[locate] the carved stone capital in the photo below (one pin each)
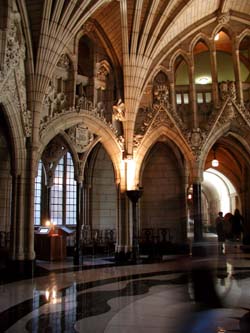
(224, 18)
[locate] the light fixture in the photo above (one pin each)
(203, 80)
(217, 37)
(215, 162)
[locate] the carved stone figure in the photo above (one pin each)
(118, 117)
(227, 90)
(119, 110)
(100, 108)
(232, 90)
(223, 90)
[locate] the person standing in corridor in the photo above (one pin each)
(220, 230)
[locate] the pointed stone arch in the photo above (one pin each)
(152, 138)
(97, 127)
(201, 37)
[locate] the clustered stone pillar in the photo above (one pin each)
(77, 252)
(134, 196)
(198, 236)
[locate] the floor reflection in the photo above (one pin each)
(201, 294)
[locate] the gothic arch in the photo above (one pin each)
(241, 36)
(201, 37)
(152, 138)
(97, 127)
(226, 29)
(220, 133)
(182, 54)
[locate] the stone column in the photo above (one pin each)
(77, 252)
(198, 236)
(134, 196)
(237, 73)
(29, 198)
(192, 94)
(215, 92)
(172, 95)
(123, 246)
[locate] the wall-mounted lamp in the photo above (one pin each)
(215, 162)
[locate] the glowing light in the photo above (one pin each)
(189, 196)
(203, 80)
(51, 296)
(130, 174)
(47, 223)
(217, 37)
(215, 163)
(47, 294)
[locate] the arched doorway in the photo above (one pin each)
(219, 194)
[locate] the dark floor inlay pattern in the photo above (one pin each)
(92, 304)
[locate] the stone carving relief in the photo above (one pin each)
(83, 103)
(64, 62)
(102, 72)
(55, 102)
(54, 151)
(196, 139)
(88, 27)
(224, 18)
(160, 95)
(12, 75)
(161, 113)
(118, 117)
(15, 51)
(81, 137)
(119, 111)
(227, 90)
(100, 108)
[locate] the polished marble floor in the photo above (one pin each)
(180, 294)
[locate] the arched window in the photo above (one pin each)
(63, 193)
(38, 195)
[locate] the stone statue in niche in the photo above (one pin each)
(100, 108)
(102, 72)
(119, 115)
(49, 98)
(59, 103)
(83, 103)
(56, 102)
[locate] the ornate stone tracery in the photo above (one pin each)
(12, 75)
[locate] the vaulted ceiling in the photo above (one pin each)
(135, 27)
